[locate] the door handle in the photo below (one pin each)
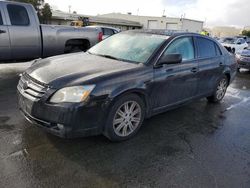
(221, 64)
(2, 31)
(194, 70)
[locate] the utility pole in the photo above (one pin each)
(69, 8)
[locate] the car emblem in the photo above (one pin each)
(25, 85)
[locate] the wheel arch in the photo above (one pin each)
(83, 44)
(137, 91)
(227, 73)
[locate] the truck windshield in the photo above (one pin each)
(131, 47)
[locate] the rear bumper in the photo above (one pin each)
(65, 120)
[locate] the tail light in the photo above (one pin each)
(100, 35)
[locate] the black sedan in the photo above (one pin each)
(243, 59)
(121, 81)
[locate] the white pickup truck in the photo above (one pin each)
(234, 45)
(23, 37)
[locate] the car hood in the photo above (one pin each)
(75, 68)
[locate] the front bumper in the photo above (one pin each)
(243, 64)
(65, 120)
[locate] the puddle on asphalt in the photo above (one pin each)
(242, 102)
(3, 124)
(4, 119)
(20, 153)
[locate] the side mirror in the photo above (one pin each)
(170, 59)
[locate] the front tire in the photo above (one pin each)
(125, 118)
(220, 92)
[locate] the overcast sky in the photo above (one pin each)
(214, 12)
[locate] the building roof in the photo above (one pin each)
(148, 17)
(69, 16)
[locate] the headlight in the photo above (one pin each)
(73, 94)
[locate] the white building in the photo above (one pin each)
(224, 31)
(247, 28)
(64, 18)
(149, 22)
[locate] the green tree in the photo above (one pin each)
(46, 13)
(43, 10)
(246, 33)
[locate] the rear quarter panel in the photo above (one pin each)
(231, 66)
(55, 37)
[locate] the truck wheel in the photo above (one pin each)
(220, 92)
(75, 49)
(125, 118)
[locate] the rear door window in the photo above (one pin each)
(218, 50)
(18, 15)
(1, 19)
(183, 46)
(206, 48)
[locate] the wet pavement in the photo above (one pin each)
(198, 145)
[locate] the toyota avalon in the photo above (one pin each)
(126, 78)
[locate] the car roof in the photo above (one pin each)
(163, 32)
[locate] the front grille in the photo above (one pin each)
(31, 88)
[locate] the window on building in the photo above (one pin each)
(206, 48)
(18, 15)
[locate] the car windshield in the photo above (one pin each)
(130, 47)
(230, 40)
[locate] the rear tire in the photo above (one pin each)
(220, 91)
(125, 118)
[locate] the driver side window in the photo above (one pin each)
(183, 46)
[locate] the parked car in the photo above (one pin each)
(105, 31)
(234, 45)
(122, 80)
(243, 59)
(22, 36)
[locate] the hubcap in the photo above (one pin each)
(221, 89)
(127, 118)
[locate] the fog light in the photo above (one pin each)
(60, 126)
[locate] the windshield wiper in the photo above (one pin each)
(115, 58)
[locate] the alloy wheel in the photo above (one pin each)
(127, 118)
(221, 89)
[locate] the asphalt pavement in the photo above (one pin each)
(197, 145)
